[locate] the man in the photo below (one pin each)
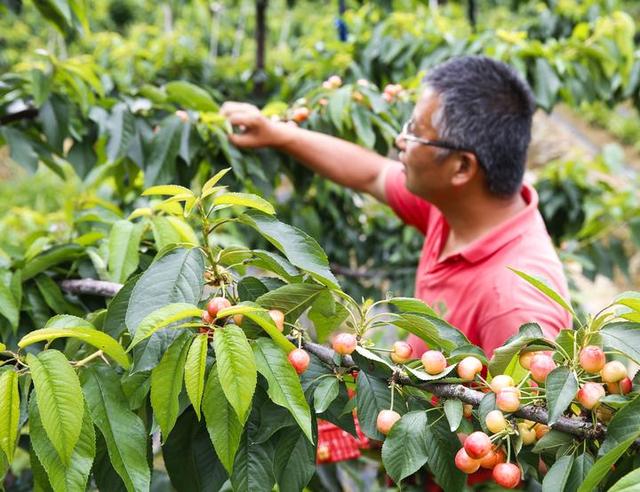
(459, 182)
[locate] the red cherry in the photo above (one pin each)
(541, 365)
(477, 445)
(613, 371)
(589, 395)
(401, 352)
(299, 359)
(507, 475)
(344, 343)
(465, 463)
(217, 304)
(385, 421)
(592, 359)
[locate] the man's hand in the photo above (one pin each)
(254, 129)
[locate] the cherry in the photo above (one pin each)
(501, 381)
(622, 387)
(217, 304)
(495, 421)
(300, 114)
(207, 319)
(465, 463)
(386, 419)
(492, 458)
(507, 475)
(299, 359)
(525, 359)
(541, 430)
(613, 371)
(592, 359)
(527, 432)
(278, 318)
(508, 399)
(434, 362)
(477, 445)
(401, 352)
(541, 365)
(467, 411)
(589, 395)
(344, 343)
(469, 367)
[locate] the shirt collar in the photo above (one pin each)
(504, 233)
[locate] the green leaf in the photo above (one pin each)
(546, 85)
(453, 409)
(64, 325)
(551, 442)
(300, 249)
(211, 182)
(284, 385)
(190, 96)
(581, 466)
(430, 377)
(546, 290)
(176, 277)
(166, 384)
(123, 430)
(294, 460)
(245, 200)
(124, 241)
(363, 126)
(624, 337)
(114, 321)
(487, 404)
(9, 412)
(625, 423)
(562, 387)
(502, 356)
(160, 167)
(558, 474)
(411, 305)
(190, 459)
(236, 368)
(75, 475)
(194, 370)
(223, 425)
(291, 299)
(51, 257)
(434, 331)
(59, 399)
(162, 318)
(53, 296)
(21, 148)
(372, 396)
(9, 305)
(122, 129)
(325, 393)
(337, 106)
(629, 483)
(602, 466)
(171, 190)
(405, 449)
(441, 450)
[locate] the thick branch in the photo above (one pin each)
(576, 426)
(91, 286)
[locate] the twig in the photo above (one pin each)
(91, 286)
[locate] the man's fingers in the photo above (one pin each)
(240, 140)
(232, 107)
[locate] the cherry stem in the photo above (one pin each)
(393, 387)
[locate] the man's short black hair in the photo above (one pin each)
(487, 107)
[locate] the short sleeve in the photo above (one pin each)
(411, 209)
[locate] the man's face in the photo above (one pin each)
(425, 166)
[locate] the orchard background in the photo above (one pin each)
(124, 210)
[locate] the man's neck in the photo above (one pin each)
(471, 218)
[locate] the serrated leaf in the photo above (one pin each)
(546, 290)
(453, 409)
(300, 249)
(211, 182)
(162, 318)
(434, 331)
(75, 475)
(551, 441)
(581, 466)
(236, 368)
(190, 96)
(562, 387)
(223, 425)
(124, 241)
(412, 305)
(194, 370)
(325, 393)
(9, 412)
(51, 257)
(294, 460)
(502, 356)
(602, 465)
(441, 450)
(123, 431)
(253, 465)
(245, 200)
(558, 474)
(166, 384)
(430, 377)
(623, 336)
(64, 325)
(59, 399)
(284, 385)
(9, 307)
(291, 299)
(372, 396)
(625, 423)
(405, 449)
(122, 129)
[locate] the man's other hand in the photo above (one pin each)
(251, 128)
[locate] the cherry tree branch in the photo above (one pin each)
(577, 426)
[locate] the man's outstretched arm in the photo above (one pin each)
(338, 160)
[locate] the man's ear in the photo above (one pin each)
(466, 168)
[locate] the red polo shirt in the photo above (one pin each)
(473, 289)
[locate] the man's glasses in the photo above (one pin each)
(406, 134)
